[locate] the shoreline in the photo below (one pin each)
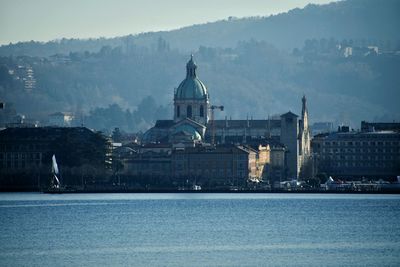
(169, 191)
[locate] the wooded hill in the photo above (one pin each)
(253, 66)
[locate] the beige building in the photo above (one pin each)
(263, 160)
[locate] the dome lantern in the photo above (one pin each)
(191, 68)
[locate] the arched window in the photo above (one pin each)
(201, 111)
(189, 111)
(178, 111)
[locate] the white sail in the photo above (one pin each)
(54, 166)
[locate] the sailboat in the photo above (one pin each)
(55, 182)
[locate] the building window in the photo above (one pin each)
(189, 111)
(201, 111)
(178, 111)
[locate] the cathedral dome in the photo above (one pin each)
(191, 87)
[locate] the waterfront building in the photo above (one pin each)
(225, 165)
(221, 165)
(193, 125)
(148, 164)
(355, 155)
(163, 161)
(25, 154)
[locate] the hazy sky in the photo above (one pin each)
(43, 20)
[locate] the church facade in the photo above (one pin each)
(192, 125)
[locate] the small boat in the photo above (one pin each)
(55, 182)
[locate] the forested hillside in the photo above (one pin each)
(374, 21)
(254, 67)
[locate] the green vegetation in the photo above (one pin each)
(253, 66)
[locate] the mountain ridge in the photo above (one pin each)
(351, 19)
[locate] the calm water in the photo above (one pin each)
(199, 230)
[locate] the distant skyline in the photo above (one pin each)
(45, 20)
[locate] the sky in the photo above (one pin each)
(44, 20)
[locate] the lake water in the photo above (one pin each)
(199, 230)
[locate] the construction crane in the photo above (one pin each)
(212, 108)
